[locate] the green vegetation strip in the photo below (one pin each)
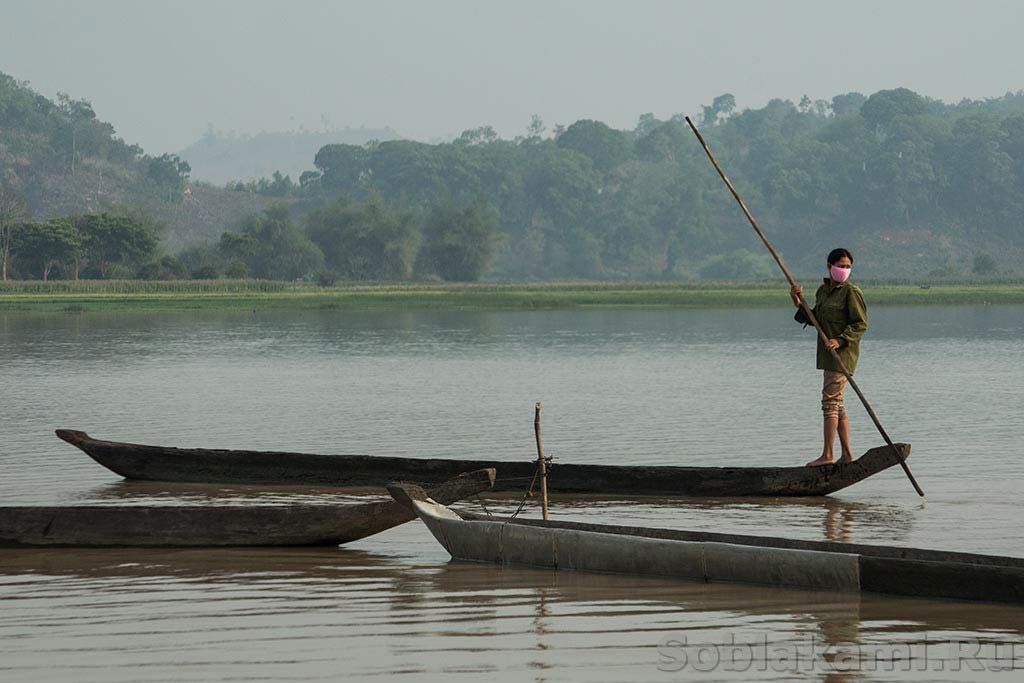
(248, 294)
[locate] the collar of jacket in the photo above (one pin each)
(828, 282)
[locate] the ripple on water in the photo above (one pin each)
(652, 387)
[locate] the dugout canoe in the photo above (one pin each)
(211, 525)
(160, 463)
(718, 557)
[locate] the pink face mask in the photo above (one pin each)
(839, 273)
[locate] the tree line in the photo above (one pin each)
(96, 245)
(365, 240)
(908, 181)
(354, 240)
(910, 184)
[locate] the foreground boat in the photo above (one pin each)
(159, 463)
(210, 525)
(716, 557)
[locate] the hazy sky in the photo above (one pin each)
(161, 71)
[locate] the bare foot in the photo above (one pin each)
(846, 457)
(823, 460)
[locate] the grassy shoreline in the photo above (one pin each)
(247, 294)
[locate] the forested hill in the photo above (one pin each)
(219, 157)
(912, 185)
(62, 160)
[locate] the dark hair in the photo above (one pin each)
(837, 254)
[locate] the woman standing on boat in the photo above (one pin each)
(840, 309)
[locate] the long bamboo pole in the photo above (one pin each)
(807, 310)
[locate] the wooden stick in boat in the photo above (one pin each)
(541, 462)
(807, 309)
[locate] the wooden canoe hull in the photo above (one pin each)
(159, 463)
(730, 558)
(211, 525)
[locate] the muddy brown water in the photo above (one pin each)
(652, 387)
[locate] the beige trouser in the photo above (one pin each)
(832, 394)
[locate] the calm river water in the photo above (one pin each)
(689, 387)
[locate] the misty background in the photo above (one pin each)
(438, 129)
(163, 72)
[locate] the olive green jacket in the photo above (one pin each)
(844, 316)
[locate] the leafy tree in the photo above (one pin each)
(168, 171)
(645, 124)
(885, 106)
(109, 239)
(412, 171)
(979, 169)
(722, 105)
(277, 186)
(342, 167)
(368, 240)
(238, 246)
(274, 246)
(47, 245)
(1012, 141)
(12, 213)
(667, 141)
(309, 181)
(459, 243)
(198, 255)
(606, 147)
(559, 197)
(477, 136)
(536, 129)
(849, 103)
(651, 223)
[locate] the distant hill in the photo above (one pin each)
(219, 157)
(912, 185)
(63, 160)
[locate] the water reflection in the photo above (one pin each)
(839, 521)
(830, 518)
(435, 617)
(644, 387)
(464, 584)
